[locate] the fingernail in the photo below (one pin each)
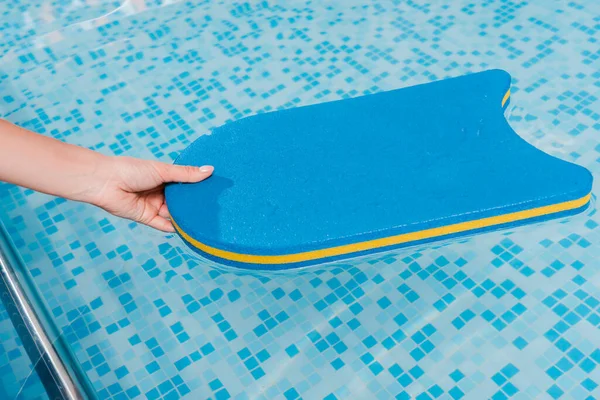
(207, 168)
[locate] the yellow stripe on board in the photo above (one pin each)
(388, 241)
(506, 96)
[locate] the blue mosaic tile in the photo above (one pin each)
(18, 379)
(511, 314)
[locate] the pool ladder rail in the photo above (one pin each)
(55, 364)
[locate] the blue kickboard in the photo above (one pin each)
(344, 178)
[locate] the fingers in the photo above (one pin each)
(184, 173)
(162, 224)
(163, 211)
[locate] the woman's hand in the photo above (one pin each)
(134, 189)
(126, 187)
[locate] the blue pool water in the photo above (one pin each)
(501, 315)
(17, 378)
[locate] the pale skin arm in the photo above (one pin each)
(126, 187)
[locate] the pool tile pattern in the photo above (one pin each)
(501, 315)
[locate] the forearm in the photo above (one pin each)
(47, 165)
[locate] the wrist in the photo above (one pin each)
(95, 173)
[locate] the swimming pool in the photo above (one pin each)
(500, 315)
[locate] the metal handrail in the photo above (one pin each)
(52, 360)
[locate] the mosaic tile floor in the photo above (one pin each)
(17, 378)
(501, 315)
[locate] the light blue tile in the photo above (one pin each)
(146, 84)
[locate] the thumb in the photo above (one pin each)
(185, 173)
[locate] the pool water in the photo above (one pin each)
(17, 377)
(500, 315)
